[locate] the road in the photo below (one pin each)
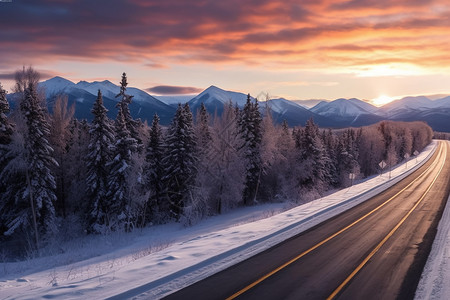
(376, 250)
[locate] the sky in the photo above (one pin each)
(309, 49)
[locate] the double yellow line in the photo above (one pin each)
(250, 286)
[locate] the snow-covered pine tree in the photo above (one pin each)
(180, 161)
(202, 129)
(118, 189)
(77, 151)
(6, 128)
(312, 159)
(250, 128)
(101, 141)
(7, 194)
(125, 101)
(40, 185)
(156, 208)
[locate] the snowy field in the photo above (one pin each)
(162, 259)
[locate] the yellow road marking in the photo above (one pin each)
(250, 286)
(375, 250)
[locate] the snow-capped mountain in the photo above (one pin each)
(407, 105)
(215, 98)
(84, 93)
(173, 100)
(294, 114)
(344, 108)
(336, 114)
(348, 112)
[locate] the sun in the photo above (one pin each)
(382, 100)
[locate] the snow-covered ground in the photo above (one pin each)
(163, 259)
(435, 280)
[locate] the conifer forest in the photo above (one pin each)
(59, 174)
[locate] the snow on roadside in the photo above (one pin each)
(192, 254)
(436, 274)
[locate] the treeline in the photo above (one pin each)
(57, 172)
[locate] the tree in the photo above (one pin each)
(40, 185)
(180, 160)
(250, 130)
(120, 166)
(6, 128)
(59, 138)
(101, 141)
(154, 172)
(75, 160)
(312, 159)
(131, 124)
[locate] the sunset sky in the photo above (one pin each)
(294, 49)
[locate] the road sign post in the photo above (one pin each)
(351, 176)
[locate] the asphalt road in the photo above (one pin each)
(376, 250)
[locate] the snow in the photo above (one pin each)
(214, 93)
(344, 108)
(56, 85)
(175, 99)
(281, 105)
(162, 259)
(436, 274)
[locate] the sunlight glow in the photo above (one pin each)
(382, 100)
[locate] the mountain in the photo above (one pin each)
(407, 105)
(347, 112)
(294, 114)
(173, 100)
(215, 98)
(334, 114)
(309, 103)
(84, 93)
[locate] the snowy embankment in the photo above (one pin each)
(187, 255)
(435, 280)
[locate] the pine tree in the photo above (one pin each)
(99, 155)
(6, 128)
(7, 176)
(75, 159)
(202, 129)
(312, 159)
(250, 127)
(131, 124)
(180, 160)
(40, 185)
(154, 173)
(118, 189)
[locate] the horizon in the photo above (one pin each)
(371, 50)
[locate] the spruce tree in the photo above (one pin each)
(250, 127)
(101, 141)
(154, 172)
(39, 189)
(6, 128)
(313, 159)
(131, 124)
(180, 160)
(202, 129)
(118, 189)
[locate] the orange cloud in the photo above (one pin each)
(287, 34)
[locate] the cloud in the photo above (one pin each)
(173, 90)
(11, 75)
(311, 34)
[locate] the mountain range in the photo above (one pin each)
(338, 113)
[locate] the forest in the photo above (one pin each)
(61, 177)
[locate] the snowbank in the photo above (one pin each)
(434, 283)
(158, 272)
